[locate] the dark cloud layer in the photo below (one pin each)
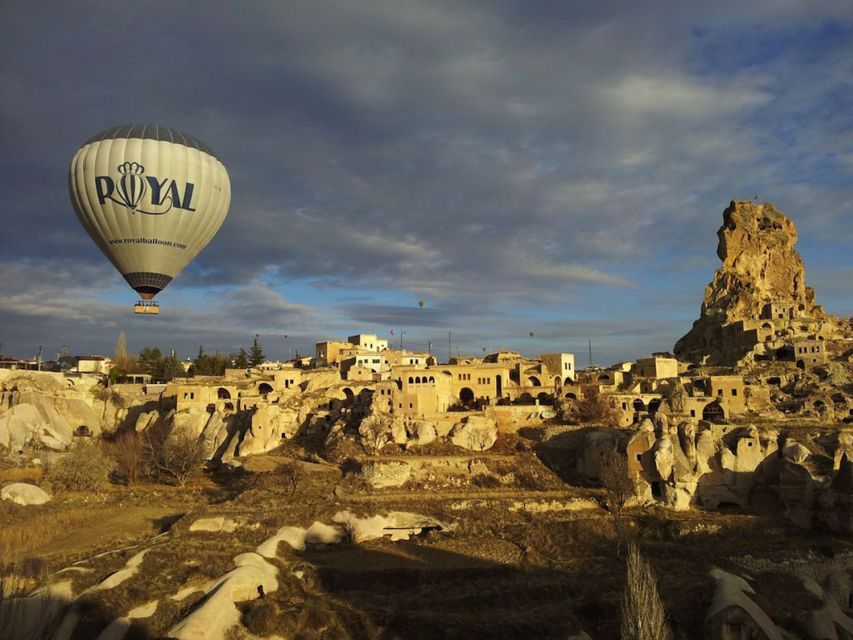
(552, 165)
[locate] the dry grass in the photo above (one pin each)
(21, 536)
(32, 475)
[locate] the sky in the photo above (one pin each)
(549, 168)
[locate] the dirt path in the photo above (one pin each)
(105, 529)
(497, 494)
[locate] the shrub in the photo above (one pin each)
(261, 617)
(128, 452)
(486, 481)
(85, 468)
(287, 476)
(595, 409)
(173, 455)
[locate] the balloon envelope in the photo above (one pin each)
(151, 198)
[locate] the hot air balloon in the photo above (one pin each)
(151, 198)
(421, 303)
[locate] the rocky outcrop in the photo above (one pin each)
(386, 474)
(758, 294)
(214, 525)
(44, 409)
(24, 494)
(476, 433)
(719, 464)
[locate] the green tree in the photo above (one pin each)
(150, 360)
(171, 368)
(256, 354)
(207, 365)
(241, 360)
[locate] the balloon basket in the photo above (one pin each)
(146, 307)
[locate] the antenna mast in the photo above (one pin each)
(590, 353)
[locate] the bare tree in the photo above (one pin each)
(173, 455)
(128, 452)
(374, 432)
(619, 487)
(287, 476)
(643, 615)
(594, 408)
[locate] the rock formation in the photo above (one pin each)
(45, 409)
(758, 294)
(745, 466)
(24, 494)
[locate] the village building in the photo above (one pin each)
(809, 353)
(94, 364)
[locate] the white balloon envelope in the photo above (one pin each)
(151, 198)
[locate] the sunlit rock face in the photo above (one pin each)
(759, 294)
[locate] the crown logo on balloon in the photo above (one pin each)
(131, 168)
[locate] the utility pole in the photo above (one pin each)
(402, 333)
(430, 347)
(590, 353)
(449, 347)
(38, 358)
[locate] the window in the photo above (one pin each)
(693, 413)
(734, 392)
(639, 457)
(719, 392)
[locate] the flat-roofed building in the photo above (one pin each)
(368, 342)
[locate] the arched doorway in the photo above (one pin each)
(543, 398)
(654, 405)
(713, 413)
(557, 382)
(466, 396)
(499, 386)
(533, 381)
(264, 389)
(639, 405)
(223, 394)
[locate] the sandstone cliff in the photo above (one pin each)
(759, 294)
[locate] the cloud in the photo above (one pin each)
(496, 159)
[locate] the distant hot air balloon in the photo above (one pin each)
(421, 303)
(151, 198)
(532, 334)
